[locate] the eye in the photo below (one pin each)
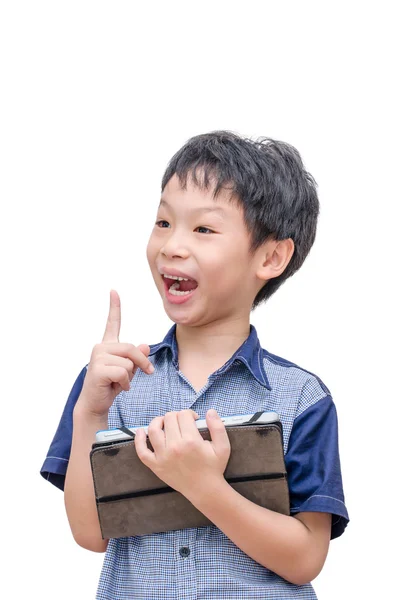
(210, 230)
(159, 223)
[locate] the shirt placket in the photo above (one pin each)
(184, 539)
(185, 561)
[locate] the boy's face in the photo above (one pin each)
(209, 246)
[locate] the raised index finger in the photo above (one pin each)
(112, 330)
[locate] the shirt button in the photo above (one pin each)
(184, 551)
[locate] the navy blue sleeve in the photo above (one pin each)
(56, 462)
(313, 465)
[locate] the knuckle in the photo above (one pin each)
(96, 369)
(99, 351)
(189, 443)
(153, 423)
(175, 449)
(96, 350)
(130, 369)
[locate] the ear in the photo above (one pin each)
(275, 258)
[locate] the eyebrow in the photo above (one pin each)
(197, 210)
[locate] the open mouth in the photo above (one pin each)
(179, 288)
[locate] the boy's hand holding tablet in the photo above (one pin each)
(181, 458)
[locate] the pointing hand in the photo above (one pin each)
(112, 365)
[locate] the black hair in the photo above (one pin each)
(267, 179)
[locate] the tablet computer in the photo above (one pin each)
(115, 434)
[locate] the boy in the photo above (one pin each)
(236, 219)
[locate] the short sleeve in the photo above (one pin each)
(313, 465)
(56, 463)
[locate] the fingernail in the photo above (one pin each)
(151, 369)
(212, 413)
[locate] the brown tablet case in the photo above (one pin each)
(131, 500)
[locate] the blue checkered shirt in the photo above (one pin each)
(203, 563)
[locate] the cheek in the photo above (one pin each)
(226, 257)
(227, 269)
(220, 275)
(150, 250)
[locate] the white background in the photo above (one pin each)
(95, 99)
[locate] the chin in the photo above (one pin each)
(178, 320)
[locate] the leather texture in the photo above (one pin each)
(256, 453)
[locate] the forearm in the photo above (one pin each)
(281, 543)
(79, 488)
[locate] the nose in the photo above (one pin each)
(174, 246)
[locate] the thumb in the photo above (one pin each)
(145, 348)
(212, 414)
(219, 437)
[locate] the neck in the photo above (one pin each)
(212, 341)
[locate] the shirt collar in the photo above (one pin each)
(250, 354)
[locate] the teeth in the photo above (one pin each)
(175, 292)
(177, 278)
